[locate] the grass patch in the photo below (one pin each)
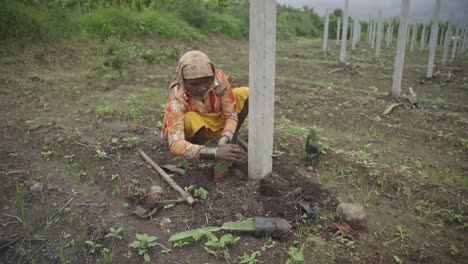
(125, 23)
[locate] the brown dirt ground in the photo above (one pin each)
(408, 168)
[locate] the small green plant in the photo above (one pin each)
(101, 154)
(200, 192)
(143, 243)
(131, 141)
(117, 183)
(62, 245)
(21, 197)
(464, 142)
(249, 259)
(115, 233)
(107, 254)
(134, 188)
(93, 246)
(47, 153)
(218, 247)
(33, 124)
(401, 234)
(183, 163)
(295, 255)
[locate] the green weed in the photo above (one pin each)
(131, 141)
(117, 183)
(295, 255)
(249, 259)
(218, 247)
(47, 153)
(143, 244)
(21, 197)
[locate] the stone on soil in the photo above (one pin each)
(354, 214)
(36, 187)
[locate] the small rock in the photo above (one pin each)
(355, 214)
(239, 216)
(218, 222)
(36, 187)
(165, 224)
(245, 207)
(263, 248)
(156, 189)
(377, 119)
(310, 168)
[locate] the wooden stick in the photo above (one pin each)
(185, 195)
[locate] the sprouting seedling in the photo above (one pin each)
(295, 255)
(93, 245)
(115, 233)
(101, 154)
(249, 259)
(143, 243)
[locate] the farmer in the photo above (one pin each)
(202, 107)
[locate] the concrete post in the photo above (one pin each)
(344, 33)
(433, 41)
(447, 41)
(379, 34)
(262, 49)
(338, 22)
(455, 43)
(400, 53)
(413, 37)
(422, 38)
(325, 32)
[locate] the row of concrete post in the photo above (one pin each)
(454, 38)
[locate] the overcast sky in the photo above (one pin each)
(420, 10)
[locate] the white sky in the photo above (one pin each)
(420, 10)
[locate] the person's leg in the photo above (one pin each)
(242, 102)
(201, 128)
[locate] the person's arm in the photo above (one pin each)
(175, 110)
(229, 108)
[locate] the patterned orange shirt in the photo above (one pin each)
(219, 99)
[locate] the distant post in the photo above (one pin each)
(413, 37)
(379, 34)
(455, 42)
(338, 22)
(262, 49)
(422, 38)
(433, 41)
(344, 34)
(325, 32)
(387, 35)
(447, 40)
(374, 34)
(401, 46)
(369, 31)
(355, 35)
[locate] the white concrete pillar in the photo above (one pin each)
(413, 37)
(379, 34)
(455, 43)
(344, 33)
(391, 35)
(355, 37)
(422, 38)
(325, 32)
(338, 22)
(262, 50)
(433, 41)
(400, 53)
(447, 41)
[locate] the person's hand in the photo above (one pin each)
(230, 152)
